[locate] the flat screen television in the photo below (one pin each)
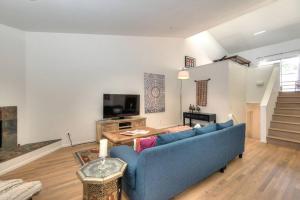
(120, 105)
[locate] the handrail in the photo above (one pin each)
(274, 78)
(290, 86)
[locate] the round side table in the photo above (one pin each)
(102, 182)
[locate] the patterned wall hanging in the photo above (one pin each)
(201, 92)
(154, 93)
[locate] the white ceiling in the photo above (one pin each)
(280, 20)
(167, 18)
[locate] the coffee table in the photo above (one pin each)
(117, 138)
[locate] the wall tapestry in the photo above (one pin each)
(201, 92)
(154, 93)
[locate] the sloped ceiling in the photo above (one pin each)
(166, 18)
(280, 20)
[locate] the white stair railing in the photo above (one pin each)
(268, 102)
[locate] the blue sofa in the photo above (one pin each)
(161, 172)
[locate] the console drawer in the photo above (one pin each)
(109, 128)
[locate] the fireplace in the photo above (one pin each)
(8, 127)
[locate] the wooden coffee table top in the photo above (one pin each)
(117, 138)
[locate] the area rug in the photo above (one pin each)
(85, 156)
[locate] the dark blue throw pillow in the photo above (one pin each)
(227, 124)
(172, 137)
(206, 129)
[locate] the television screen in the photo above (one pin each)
(120, 105)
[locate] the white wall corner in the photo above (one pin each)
(268, 103)
(263, 124)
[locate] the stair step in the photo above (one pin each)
(294, 126)
(286, 118)
(290, 143)
(289, 94)
(293, 123)
(284, 130)
(285, 139)
(289, 134)
(287, 99)
(288, 105)
(293, 95)
(289, 111)
(287, 115)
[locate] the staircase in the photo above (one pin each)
(285, 125)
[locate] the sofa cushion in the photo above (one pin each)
(130, 157)
(145, 143)
(172, 137)
(206, 129)
(227, 124)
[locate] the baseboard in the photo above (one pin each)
(20, 161)
(170, 125)
(77, 143)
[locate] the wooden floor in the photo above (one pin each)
(265, 172)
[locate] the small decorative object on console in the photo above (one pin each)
(198, 109)
(193, 108)
(190, 108)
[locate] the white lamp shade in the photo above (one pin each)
(183, 74)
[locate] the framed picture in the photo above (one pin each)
(189, 62)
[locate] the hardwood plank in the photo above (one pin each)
(265, 172)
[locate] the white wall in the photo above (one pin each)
(68, 73)
(59, 79)
(237, 90)
(226, 89)
(254, 93)
(204, 48)
(218, 89)
(270, 50)
(12, 73)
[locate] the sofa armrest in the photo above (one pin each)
(128, 155)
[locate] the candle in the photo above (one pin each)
(103, 148)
